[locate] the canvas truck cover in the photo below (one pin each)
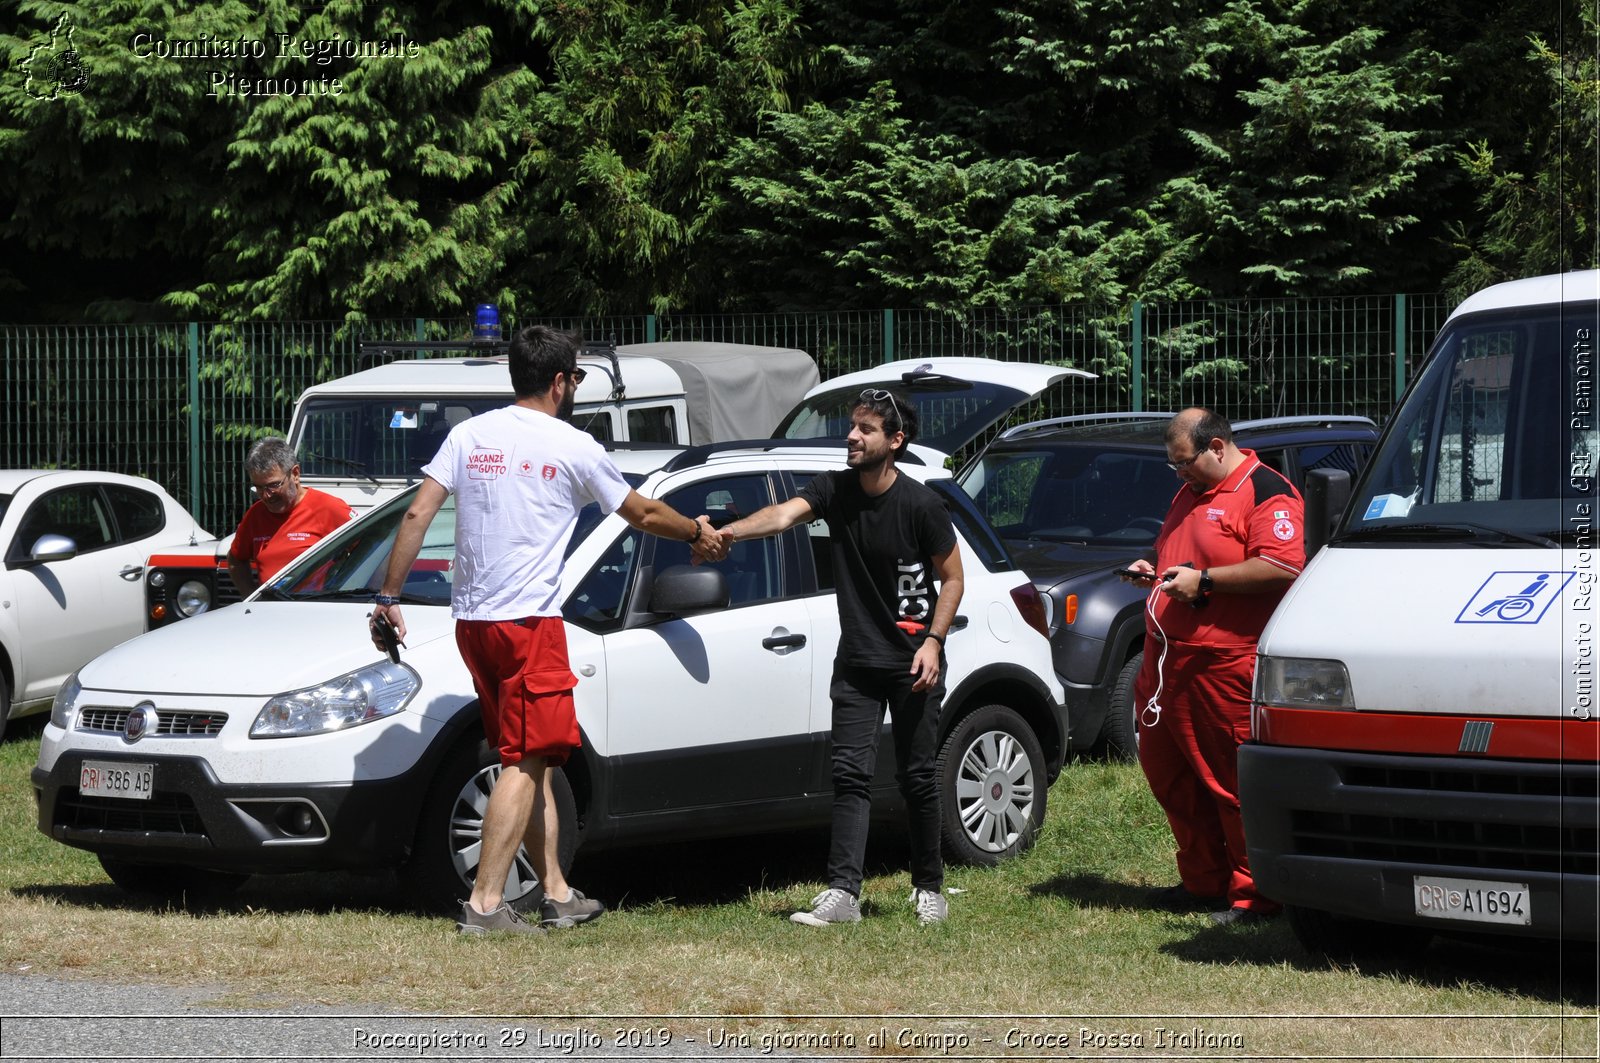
(734, 390)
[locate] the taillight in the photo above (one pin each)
(1031, 608)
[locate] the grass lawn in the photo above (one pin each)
(1049, 956)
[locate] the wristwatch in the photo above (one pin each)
(1207, 584)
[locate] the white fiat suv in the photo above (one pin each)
(270, 737)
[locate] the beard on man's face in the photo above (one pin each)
(564, 411)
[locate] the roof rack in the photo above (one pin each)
(372, 353)
(1304, 420)
(698, 455)
(1081, 418)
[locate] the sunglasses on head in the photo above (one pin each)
(880, 395)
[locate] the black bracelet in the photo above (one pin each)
(386, 599)
(691, 540)
(937, 638)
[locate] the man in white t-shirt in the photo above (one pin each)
(520, 475)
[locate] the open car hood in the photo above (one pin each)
(957, 399)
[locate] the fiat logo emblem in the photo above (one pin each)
(141, 721)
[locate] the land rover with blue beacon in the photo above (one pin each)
(1424, 740)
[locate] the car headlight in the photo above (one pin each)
(66, 702)
(194, 596)
(367, 694)
(1303, 683)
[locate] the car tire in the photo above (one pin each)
(176, 883)
(1119, 734)
(444, 862)
(1345, 939)
(992, 787)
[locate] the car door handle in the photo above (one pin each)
(777, 642)
(958, 623)
(132, 572)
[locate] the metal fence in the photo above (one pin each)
(177, 402)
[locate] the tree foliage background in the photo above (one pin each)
(597, 156)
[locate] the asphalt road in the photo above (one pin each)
(44, 1017)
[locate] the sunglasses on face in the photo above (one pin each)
(576, 374)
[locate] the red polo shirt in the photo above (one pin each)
(1254, 512)
(272, 540)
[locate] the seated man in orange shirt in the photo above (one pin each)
(283, 521)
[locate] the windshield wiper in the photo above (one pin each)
(357, 467)
(1456, 531)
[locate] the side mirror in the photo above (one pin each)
(1327, 495)
(53, 548)
(685, 589)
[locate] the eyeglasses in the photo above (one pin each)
(576, 374)
(272, 488)
(1178, 466)
(879, 395)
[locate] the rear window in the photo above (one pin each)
(950, 412)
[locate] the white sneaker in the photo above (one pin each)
(931, 907)
(829, 907)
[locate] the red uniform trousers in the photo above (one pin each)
(1190, 754)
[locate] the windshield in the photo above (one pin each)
(380, 437)
(350, 565)
(950, 412)
(1496, 439)
(1093, 494)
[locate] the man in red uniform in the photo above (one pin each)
(284, 520)
(1232, 542)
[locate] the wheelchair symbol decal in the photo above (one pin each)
(1514, 598)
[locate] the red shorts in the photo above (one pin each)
(524, 684)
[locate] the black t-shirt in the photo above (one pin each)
(883, 550)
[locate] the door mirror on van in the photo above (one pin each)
(1327, 495)
(686, 589)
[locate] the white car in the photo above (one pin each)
(270, 737)
(73, 583)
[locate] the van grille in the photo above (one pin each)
(171, 723)
(1553, 830)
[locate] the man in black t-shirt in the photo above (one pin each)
(892, 539)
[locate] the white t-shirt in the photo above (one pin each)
(519, 477)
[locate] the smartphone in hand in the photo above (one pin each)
(1151, 577)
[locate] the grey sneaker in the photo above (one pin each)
(504, 919)
(931, 907)
(570, 912)
(829, 907)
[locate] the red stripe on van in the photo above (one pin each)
(1512, 737)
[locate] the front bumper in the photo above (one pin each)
(1347, 832)
(191, 818)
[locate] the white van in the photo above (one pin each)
(1424, 738)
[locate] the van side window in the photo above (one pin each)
(653, 424)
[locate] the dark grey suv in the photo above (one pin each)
(1077, 498)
